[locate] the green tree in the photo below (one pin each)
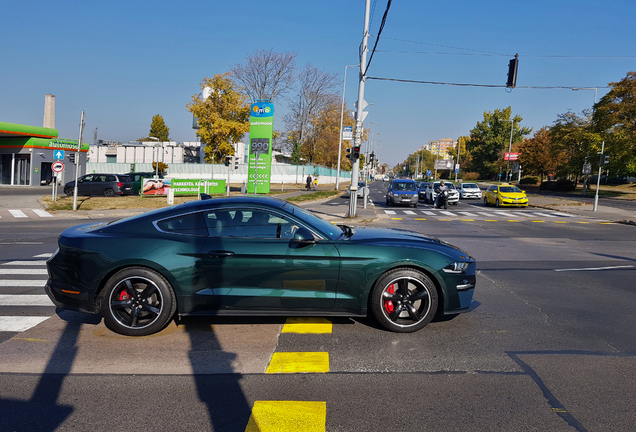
(490, 138)
(615, 121)
(158, 129)
(223, 116)
(572, 140)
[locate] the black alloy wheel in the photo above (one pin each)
(137, 302)
(404, 300)
(109, 193)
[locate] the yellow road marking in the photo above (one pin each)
(512, 220)
(606, 223)
(31, 339)
(299, 362)
(491, 220)
(467, 220)
(445, 220)
(539, 221)
(307, 325)
(287, 416)
(396, 218)
(420, 218)
(561, 222)
(583, 222)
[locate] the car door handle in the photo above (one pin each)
(220, 254)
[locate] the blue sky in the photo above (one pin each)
(124, 61)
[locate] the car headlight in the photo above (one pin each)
(456, 267)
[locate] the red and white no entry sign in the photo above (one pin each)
(57, 166)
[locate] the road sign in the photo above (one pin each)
(347, 133)
(58, 154)
(57, 166)
(587, 168)
(456, 170)
(428, 173)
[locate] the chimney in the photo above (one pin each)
(49, 111)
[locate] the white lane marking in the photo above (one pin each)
(19, 323)
(562, 214)
(447, 213)
(25, 263)
(23, 271)
(505, 214)
(22, 283)
(595, 268)
(487, 214)
(542, 214)
(44, 255)
(389, 211)
(25, 300)
(409, 212)
(17, 213)
(42, 213)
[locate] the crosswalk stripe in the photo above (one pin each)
(498, 213)
(44, 255)
(17, 213)
(25, 263)
(543, 214)
(389, 212)
(22, 283)
(467, 214)
(447, 213)
(25, 300)
(429, 213)
(409, 212)
(23, 271)
(563, 214)
(19, 323)
(287, 416)
(42, 213)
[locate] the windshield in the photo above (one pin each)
(327, 229)
(470, 186)
(404, 186)
(509, 189)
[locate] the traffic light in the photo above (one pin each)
(604, 159)
(355, 152)
(372, 157)
(71, 157)
(512, 71)
(227, 161)
(349, 153)
(236, 162)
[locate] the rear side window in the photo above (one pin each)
(190, 224)
(124, 178)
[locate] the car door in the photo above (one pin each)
(84, 184)
(252, 262)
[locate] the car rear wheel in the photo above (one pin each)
(137, 302)
(109, 193)
(404, 300)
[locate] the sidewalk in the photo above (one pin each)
(583, 207)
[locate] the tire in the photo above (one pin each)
(137, 301)
(109, 193)
(68, 191)
(414, 205)
(387, 201)
(415, 295)
(445, 205)
(497, 203)
(485, 202)
(455, 203)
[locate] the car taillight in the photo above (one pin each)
(120, 184)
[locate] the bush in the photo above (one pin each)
(470, 176)
(549, 186)
(561, 185)
(529, 181)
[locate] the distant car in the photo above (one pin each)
(505, 195)
(469, 190)
(361, 187)
(138, 179)
(453, 195)
(254, 256)
(402, 192)
(109, 185)
(421, 189)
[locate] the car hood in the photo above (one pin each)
(401, 238)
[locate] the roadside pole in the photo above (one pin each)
(598, 179)
(355, 169)
(79, 146)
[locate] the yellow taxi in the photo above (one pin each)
(505, 195)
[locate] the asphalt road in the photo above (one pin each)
(550, 346)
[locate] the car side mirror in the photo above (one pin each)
(303, 235)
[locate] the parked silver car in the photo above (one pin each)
(361, 187)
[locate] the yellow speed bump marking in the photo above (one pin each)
(299, 362)
(287, 416)
(307, 325)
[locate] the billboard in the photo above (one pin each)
(260, 150)
(443, 164)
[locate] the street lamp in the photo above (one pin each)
(512, 124)
(588, 88)
(344, 84)
(156, 146)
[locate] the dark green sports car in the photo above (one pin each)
(254, 256)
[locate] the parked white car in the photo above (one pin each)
(469, 190)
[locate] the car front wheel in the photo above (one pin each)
(485, 202)
(497, 203)
(404, 300)
(137, 302)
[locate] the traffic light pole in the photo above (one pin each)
(355, 168)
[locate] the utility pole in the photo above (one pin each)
(79, 147)
(355, 169)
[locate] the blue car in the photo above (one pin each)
(402, 192)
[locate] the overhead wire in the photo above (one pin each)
(377, 39)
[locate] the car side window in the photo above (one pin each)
(191, 224)
(110, 178)
(249, 223)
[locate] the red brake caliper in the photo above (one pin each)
(388, 304)
(123, 296)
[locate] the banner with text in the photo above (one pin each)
(260, 154)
